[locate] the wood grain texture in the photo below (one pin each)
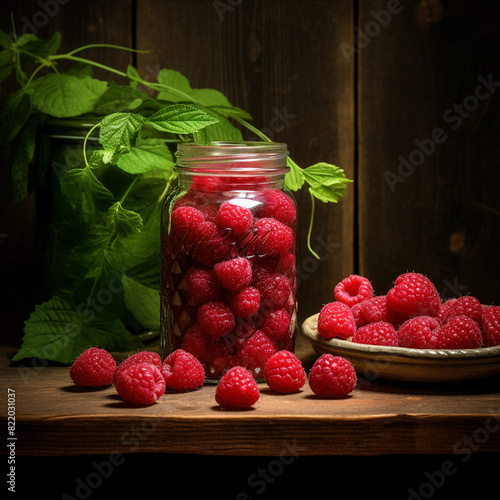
(428, 157)
(280, 61)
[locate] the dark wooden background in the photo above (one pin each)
(359, 83)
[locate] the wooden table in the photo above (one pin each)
(54, 418)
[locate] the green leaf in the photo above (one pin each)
(59, 330)
(120, 98)
(14, 115)
(327, 182)
(231, 112)
(5, 41)
(143, 302)
(294, 179)
(147, 154)
(24, 148)
(6, 64)
(125, 222)
(119, 130)
(180, 119)
(64, 95)
(42, 48)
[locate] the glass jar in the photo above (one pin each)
(228, 251)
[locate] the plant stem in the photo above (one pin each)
(310, 227)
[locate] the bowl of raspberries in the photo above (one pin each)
(409, 333)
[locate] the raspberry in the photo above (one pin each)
(234, 274)
(182, 371)
(238, 219)
(271, 237)
(284, 372)
(237, 389)
(195, 342)
(414, 294)
(332, 377)
(353, 289)
(418, 332)
(255, 352)
(274, 291)
(184, 219)
(380, 333)
(221, 359)
(138, 357)
(202, 285)
(458, 332)
(276, 324)
(374, 310)
(94, 367)
(279, 206)
(245, 303)
(336, 320)
(207, 183)
(209, 244)
(491, 325)
(467, 305)
(140, 383)
(216, 318)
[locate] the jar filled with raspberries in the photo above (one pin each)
(229, 230)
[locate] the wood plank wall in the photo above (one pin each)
(366, 84)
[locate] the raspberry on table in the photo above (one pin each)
(380, 333)
(276, 324)
(418, 332)
(94, 367)
(458, 332)
(182, 371)
(274, 291)
(271, 237)
(284, 372)
(467, 305)
(490, 325)
(336, 320)
(237, 389)
(332, 377)
(238, 219)
(136, 358)
(234, 274)
(202, 285)
(353, 289)
(140, 383)
(216, 318)
(255, 351)
(279, 206)
(245, 303)
(184, 219)
(414, 294)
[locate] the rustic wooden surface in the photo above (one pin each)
(55, 418)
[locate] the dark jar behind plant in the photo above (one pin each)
(228, 251)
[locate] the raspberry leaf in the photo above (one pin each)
(327, 182)
(147, 154)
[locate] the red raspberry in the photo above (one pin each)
(94, 367)
(467, 305)
(135, 359)
(380, 333)
(255, 352)
(202, 285)
(336, 320)
(221, 358)
(182, 371)
(458, 332)
(332, 377)
(279, 206)
(414, 294)
(284, 372)
(237, 389)
(140, 383)
(276, 324)
(353, 289)
(274, 291)
(271, 237)
(245, 303)
(209, 244)
(234, 274)
(195, 342)
(236, 218)
(207, 183)
(184, 219)
(374, 310)
(490, 325)
(216, 318)
(418, 332)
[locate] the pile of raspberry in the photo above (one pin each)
(411, 314)
(229, 273)
(142, 378)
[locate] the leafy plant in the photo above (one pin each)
(106, 220)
